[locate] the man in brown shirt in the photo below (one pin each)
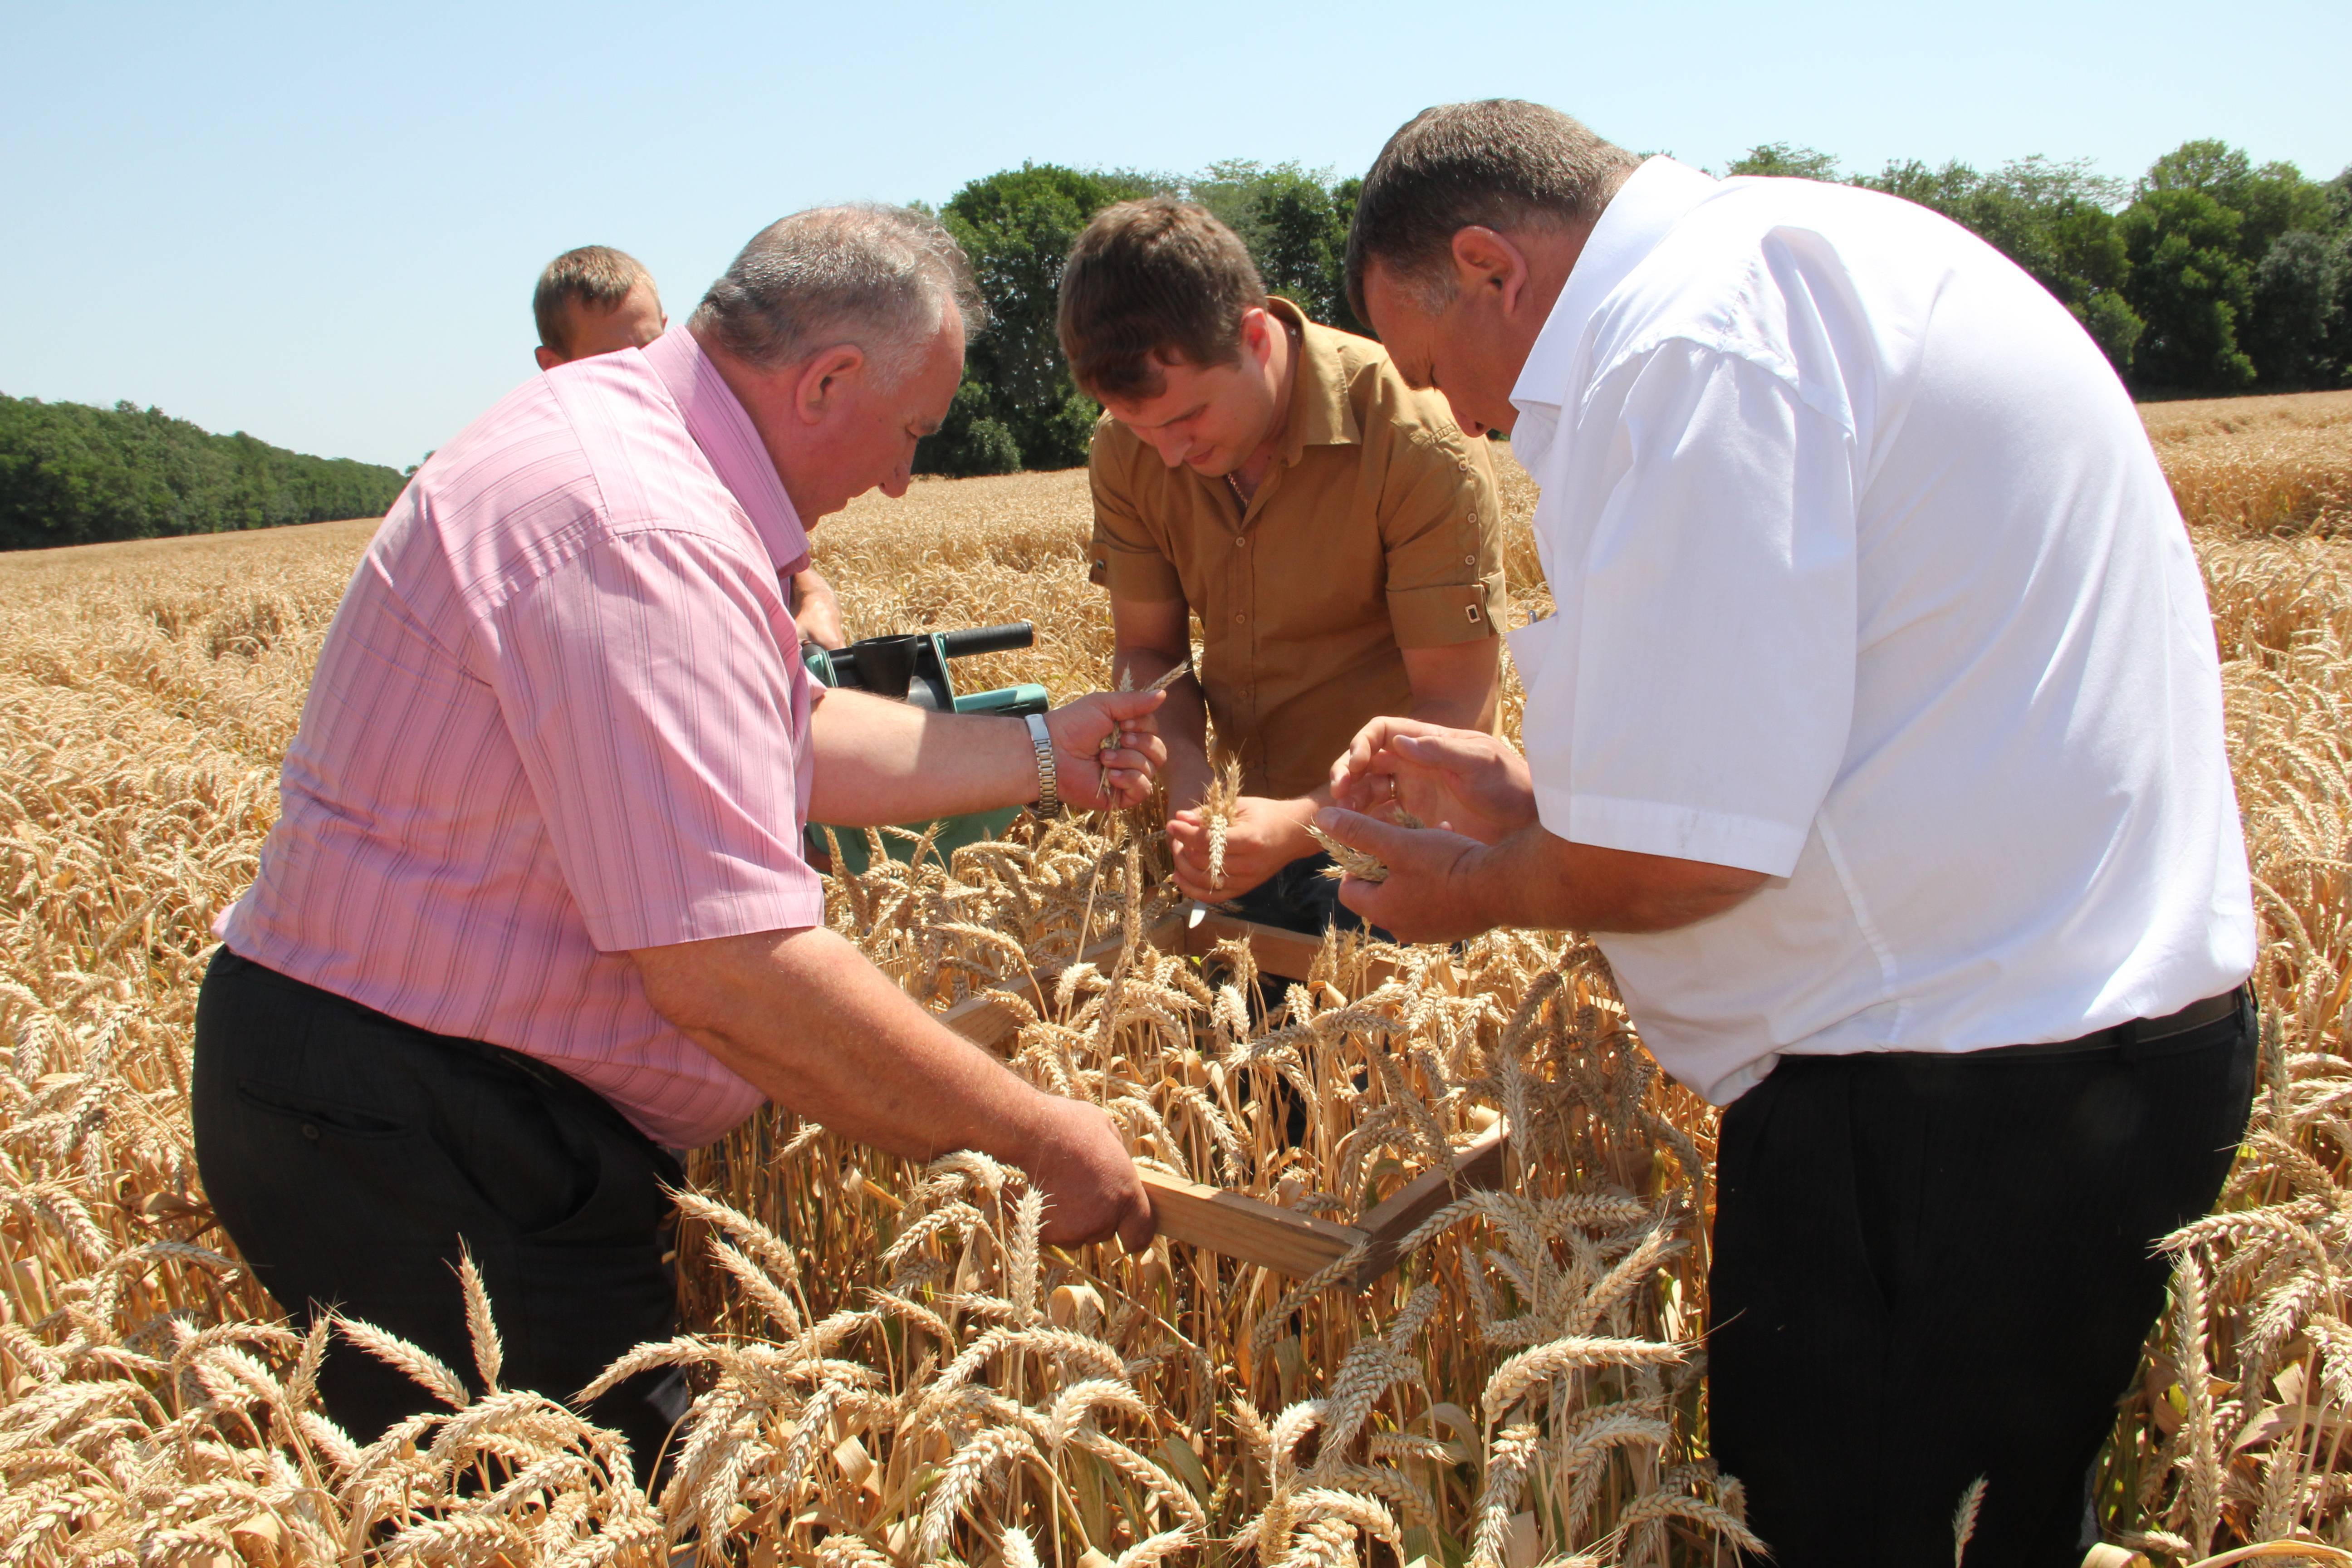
(1336, 535)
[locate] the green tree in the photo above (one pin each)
(1018, 226)
(2299, 294)
(1781, 158)
(1293, 222)
(71, 474)
(2192, 286)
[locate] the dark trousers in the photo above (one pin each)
(1300, 898)
(351, 1156)
(1929, 1268)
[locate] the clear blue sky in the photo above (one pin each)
(320, 223)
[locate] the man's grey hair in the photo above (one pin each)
(1502, 163)
(880, 277)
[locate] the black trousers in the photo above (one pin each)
(1929, 1268)
(351, 1156)
(1300, 898)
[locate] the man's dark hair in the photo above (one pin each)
(1151, 281)
(1503, 164)
(593, 275)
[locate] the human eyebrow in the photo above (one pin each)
(1192, 413)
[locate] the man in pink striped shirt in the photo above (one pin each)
(535, 914)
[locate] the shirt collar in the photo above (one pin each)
(716, 420)
(1320, 413)
(1653, 199)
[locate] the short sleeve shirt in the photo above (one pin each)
(1869, 581)
(1377, 528)
(561, 715)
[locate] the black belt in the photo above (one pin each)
(2139, 1032)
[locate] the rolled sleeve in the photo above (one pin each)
(1124, 557)
(1442, 529)
(653, 689)
(1710, 687)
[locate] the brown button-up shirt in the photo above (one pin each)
(1378, 529)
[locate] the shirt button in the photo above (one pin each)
(1239, 619)
(1240, 540)
(1469, 560)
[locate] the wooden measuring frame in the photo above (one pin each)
(1234, 1223)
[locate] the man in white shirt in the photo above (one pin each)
(1878, 735)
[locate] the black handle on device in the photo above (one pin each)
(988, 640)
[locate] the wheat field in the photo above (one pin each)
(892, 1369)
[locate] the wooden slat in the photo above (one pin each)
(1287, 953)
(1477, 1163)
(1293, 1244)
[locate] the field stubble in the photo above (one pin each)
(894, 1369)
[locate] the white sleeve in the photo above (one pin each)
(1704, 706)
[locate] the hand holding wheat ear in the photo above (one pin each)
(1217, 809)
(1127, 683)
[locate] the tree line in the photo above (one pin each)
(72, 474)
(2208, 275)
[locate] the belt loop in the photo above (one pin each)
(2128, 1040)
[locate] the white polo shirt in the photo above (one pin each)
(1869, 581)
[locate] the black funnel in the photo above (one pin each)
(886, 665)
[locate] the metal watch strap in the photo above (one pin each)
(1049, 795)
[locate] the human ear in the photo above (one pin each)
(548, 358)
(1257, 332)
(1487, 261)
(822, 380)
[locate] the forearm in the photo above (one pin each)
(1534, 879)
(879, 762)
(805, 1019)
(1457, 710)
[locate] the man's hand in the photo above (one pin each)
(817, 610)
(1465, 780)
(1263, 838)
(1430, 894)
(1092, 779)
(1083, 1168)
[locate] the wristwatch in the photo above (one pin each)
(1049, 795)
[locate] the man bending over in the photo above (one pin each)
(535, 914)
(1335, 533)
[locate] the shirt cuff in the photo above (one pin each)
(796, 902)
(1681, 832)
(1445, 614)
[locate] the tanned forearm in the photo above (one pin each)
(805, 1019)
(880, 761)
(1534, 879)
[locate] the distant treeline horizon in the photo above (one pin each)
(74, 474)
(2208, 275)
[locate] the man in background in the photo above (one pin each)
(1338, 537)
(596, 299)
(1879, 739)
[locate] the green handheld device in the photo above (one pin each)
(914, 669)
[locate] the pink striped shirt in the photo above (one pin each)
(560, 714)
